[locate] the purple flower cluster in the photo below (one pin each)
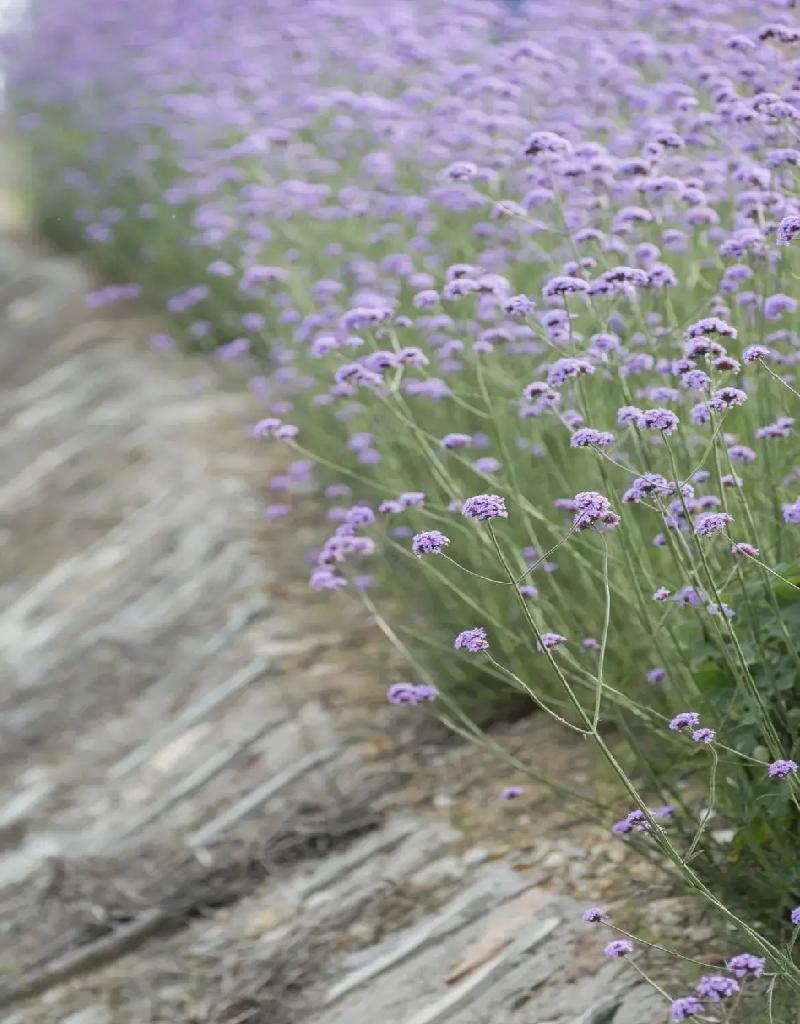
(484, 507)
(592, 509)
(411, 693)
(472, 640)
(431, 542)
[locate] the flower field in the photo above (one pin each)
(520, 293)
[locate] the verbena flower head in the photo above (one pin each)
(716, 987)
(430, 542)
(550, 640)
(776, 305)
(686, 1007)
(754, 353)
(791, 511)
(788, 229)
(566, 369)
(411, 693)
(656, 675)
(704, 735)
(565, 286)
(662, 594)
(511, 792)
(588, 437)
(794, 917)
(710, 325)
(483, 507)
(453, 441)
(744, 549)
(265, 427)
(685, 720)
(781, 769)
(659, 419)
(712, 522)
(472, 640)
(744, 964)
(519, 306)
(629, 415)
(591, 509)
(594, 915)
(618, 948)
(544, 142)
(727, 398)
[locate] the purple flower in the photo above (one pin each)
(472, 640)
(727, 398)
(360, 515)
(755, 352)
(618, 948)
(519, 306)
(780, 769)
(745, 549)
(528, 591)
(744, 964)
(452, 441)
(684, 720)
(430, 542)
(277, 511)
(662, 594)
(425, 299)
(776, 305)
(550, 640)
(685, 1007)
(659, 419)
(716, 987)
(546, 142)
(483, 507)
(710, 325)
(410, 693)
(565, 286)
(794, 917)
(566, 369)
(219, 268)
(265, 427)
(594, 915)
(511, 792)
(628, 415)
(656, 675)
(326, 579)
(286, 432)
(411, 499)
(461, 170)
(712, 522)
(695, 380)
(788, 229)
(592, 508)
(587, 437)
(704, 735)
(791, 512)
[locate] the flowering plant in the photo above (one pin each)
(526, 300)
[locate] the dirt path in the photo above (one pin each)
(205, 813)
